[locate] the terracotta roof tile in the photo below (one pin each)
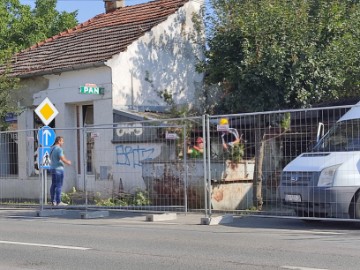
(94, 41)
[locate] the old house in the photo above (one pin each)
(123, 61)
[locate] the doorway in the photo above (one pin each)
(85, 117)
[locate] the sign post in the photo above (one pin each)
(46, 138)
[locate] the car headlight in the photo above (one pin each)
(327, 176)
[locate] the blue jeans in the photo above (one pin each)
(57, 177)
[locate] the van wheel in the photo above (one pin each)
(354, 211)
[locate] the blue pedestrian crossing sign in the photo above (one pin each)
(46, 136)
(44, 157)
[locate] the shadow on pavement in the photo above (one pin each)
(293, 223)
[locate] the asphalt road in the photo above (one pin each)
(127, 241)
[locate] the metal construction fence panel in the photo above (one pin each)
(24, 182)
(11, 192)
(282, 167)
(142, 165)
(271, 163)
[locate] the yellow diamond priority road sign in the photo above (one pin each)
(46, 111)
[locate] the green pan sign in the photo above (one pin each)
(91, 90)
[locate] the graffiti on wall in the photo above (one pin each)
(127, 155)
(136, 129)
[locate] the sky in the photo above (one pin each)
(86, 8)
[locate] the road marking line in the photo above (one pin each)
(25, 217)
(43, 245)
(301, 268)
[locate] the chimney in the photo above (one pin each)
(112, 5)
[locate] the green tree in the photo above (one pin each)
(7, 84)
(269, 55)
(20, 28)
(276, 54)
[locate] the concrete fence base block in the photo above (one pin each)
(226, 219)
(93, 214)
(161, 217)
(50, 212)
(205, 221)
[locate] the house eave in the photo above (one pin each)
(60, 70)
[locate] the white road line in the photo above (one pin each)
(26, 217)
(43, 245)
(301, 268)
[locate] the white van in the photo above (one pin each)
(326, 181)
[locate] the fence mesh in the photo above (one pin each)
(225, 163)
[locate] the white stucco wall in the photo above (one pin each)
(162, 60)
(63, 91)
(122, 162)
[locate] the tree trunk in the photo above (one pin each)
(258, 170)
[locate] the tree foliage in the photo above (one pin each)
(275, 54)
(7, 84)
(20, 28)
